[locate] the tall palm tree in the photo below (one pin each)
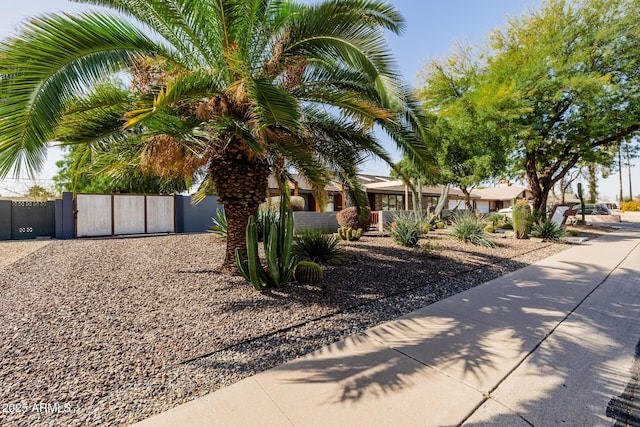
(237, 88)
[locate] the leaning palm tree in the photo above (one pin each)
(239, 89)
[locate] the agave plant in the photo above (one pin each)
(219, 226)
(470, 229)
(548, 230)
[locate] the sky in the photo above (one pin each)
(433, 26)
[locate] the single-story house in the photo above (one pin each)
(386, 193)
(495, 198)
(383, 193)
(299, 186)
(390, 194)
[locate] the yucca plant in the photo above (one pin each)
(316, 246)
(236, 90)
(470, 229)
(406, 229)
(548, 230)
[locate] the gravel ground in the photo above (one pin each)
(109, 332)
(13, 250)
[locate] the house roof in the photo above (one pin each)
(388, 185)
(303, 184)
(500, 193)
(374, 184)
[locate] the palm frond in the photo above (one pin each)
(51, 60)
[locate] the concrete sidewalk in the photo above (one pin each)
(552, 343)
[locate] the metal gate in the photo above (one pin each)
(121, 214)
(32, 219)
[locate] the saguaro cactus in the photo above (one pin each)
(278, 243)
(582, 207)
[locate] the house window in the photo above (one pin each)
(392, 202)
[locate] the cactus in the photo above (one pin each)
(308, 272)
(278, 242)
(522, 219)
(582, 207)
(348, 233)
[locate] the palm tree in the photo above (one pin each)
(238, 89)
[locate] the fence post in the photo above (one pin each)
(5, 219)
(68, 217)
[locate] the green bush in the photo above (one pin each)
(430, 249)
(219, 227)
(470, 229)
(507, 226)
(349, 218)
(496, 219)
(316, 246)
(440, 225)
(406, 229)
(490, 229)
(574, 233)
(548, 230)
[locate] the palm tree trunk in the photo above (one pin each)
(241, 184)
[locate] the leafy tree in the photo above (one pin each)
(237, 88)
(39, 193)
(471, 143)
(80, 171)
(571, 71)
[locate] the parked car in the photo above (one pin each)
(592, 209)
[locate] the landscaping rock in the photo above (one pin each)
(112, 331)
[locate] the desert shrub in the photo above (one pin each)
(440, 225)
(348, 217)
(219, 226)
(507, 226)
(548, 230)
(495, 219)
(573, 233)
(428, 249)
(631, 206)
(296, 203)
(406, 229)
(490, 229)
(470, 229)
(316, 246)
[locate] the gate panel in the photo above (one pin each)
(128, 214)
(32, 219)
(94, 217)
(160, 214)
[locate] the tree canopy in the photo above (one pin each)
(469, 126)
(558, 86)
(571, 70)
